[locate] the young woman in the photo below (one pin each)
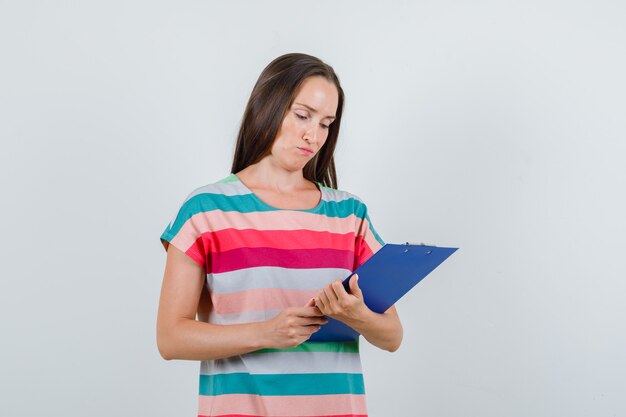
(259, 256)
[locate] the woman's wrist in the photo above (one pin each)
(360, 320)
(260, 335)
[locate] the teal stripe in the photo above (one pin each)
(247, 203)
(281, 384)
(348, 347)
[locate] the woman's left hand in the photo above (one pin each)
(334, 301)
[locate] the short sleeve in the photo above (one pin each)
(188, 231)
(367, 240)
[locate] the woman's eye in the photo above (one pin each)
(325, 126)
(301, 116)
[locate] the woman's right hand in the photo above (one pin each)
(294, 325)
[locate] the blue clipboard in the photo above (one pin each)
(384, 279)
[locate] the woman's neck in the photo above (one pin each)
(265, 175)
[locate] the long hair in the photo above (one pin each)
(270, 100)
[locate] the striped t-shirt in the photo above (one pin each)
(260, 260)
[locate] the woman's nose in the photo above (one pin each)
(312, 134)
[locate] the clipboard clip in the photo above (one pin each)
(420, 244)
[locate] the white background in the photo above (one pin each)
(498, 127)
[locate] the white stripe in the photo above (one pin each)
(227, 188)
(338, 195)
(285, 363)
(274, 277)
(243, 317)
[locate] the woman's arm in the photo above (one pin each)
(181, 336)
(381, 330)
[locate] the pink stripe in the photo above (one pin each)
(261, 299)
(369, 237)
(325, 415)
(282, 406)
(277, 220)
(365, 245)
(228, 239)
(293, 258)
(362, 252)
(199, 224)
(195, 251)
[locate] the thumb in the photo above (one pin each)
(311, 303)
(354, 286)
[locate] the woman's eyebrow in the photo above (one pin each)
(314, 110)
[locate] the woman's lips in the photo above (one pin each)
(306, 151)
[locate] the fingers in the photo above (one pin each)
(354, 287)
(304, 316)
(306, 311)
(319, 320)
(334, 301)
(312, 312)
(309, 321)
(326, 297)
(336, 295)
(338, 290)
(320, 304)
(295, 325)
(306, 326)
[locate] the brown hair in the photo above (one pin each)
(269, 102)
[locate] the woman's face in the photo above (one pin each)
(304, 129)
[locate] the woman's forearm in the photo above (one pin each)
(197, 340)
(381, 330)
(185, 338)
